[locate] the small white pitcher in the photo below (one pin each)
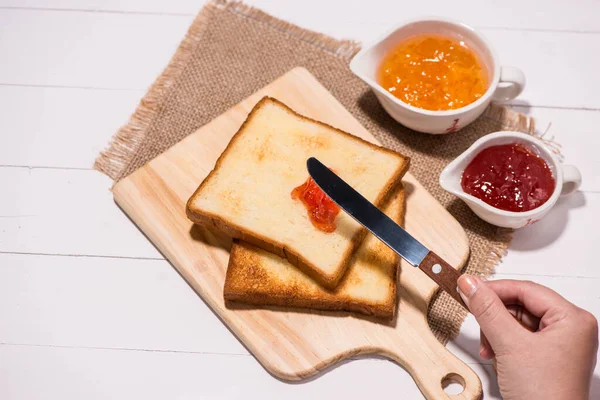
(505, 83)
(567, 178)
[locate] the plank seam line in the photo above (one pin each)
(44, 86)
(58, 346)
(50, 167)
(30, 167)
(517, 103)
(508, 274)
(548, 30)
(96, 11)
(24, 253)
(208, 353)
(183, 14)
(497, 275)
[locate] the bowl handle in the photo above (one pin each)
(571, 179)
(512, 83)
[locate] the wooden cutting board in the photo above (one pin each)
(290, 344)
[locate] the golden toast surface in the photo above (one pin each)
(248, 193)
(257, 277)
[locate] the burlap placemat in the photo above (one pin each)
(232, 50)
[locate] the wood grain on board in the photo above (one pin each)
(297, 344)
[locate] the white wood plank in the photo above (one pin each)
(106, 303)
(546, 58)
(146, 305)
(129, 50)
(60, 127)
(65, 212)
(87, 49)
(561, 244)
(576, 133)
(357, 19)
(48, 372)
(186, 7)
(353, 15)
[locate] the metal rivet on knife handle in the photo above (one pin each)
(443, 274)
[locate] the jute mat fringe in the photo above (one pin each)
(119, 159)
(231, 50)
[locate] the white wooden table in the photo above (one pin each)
(90, 310)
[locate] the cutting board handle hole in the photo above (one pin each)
(453, 384)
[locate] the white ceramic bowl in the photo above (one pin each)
(567, 178)
(505, 82)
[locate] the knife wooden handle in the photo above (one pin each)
(447, 278)
(443, 274)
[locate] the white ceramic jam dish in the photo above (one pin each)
(567, 180)
(505, 83)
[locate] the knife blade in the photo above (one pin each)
(385, 229)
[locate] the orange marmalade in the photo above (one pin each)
(433, 72)
(321, 209)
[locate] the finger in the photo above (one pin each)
(490, 312)
(485, 350)
(536, 299)
(527, 320)
(524, 317)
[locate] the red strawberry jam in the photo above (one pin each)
(510, 177)
(321, 209)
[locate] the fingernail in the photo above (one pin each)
(467, 285)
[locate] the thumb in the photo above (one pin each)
(497, 324)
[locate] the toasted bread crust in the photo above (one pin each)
(239, 286)
(261, 300)
(272, 245)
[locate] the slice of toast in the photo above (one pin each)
(248, 193)
(257, 277)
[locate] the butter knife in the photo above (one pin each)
(384, 228)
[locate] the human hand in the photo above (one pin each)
(555, 359)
